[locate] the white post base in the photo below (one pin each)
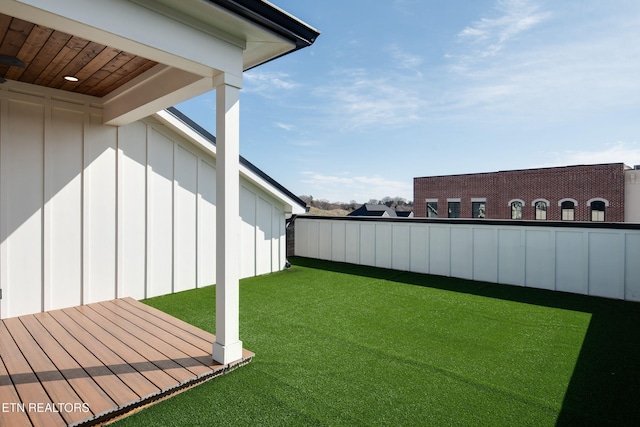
(225, 354)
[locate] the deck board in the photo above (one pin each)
(148, 356)
(203, 335)
(106, 358)
(157, 327)
(25, 382)
(60, 360)
(52, 380)
(160, 378)
(9, 395)
(124, 320)
(140, 384)
(113, 385)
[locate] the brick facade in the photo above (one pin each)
(580, 183)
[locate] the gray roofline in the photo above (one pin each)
(547, 168)
(272, 18)
(212, 139)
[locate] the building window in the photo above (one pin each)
(516, 209)
(478, 209)
(454, 209)
(597, 210)
(568, 209)
(432, 209)
(541, 210)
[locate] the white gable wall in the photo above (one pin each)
(90, 212)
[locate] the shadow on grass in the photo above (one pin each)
(605, 385)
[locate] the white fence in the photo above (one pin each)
(584, 258)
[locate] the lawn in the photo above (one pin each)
(338, 344)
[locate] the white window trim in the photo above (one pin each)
(541, 200)
(598, 199)
(568, 199)
(478, 199)
(454, 200)
(516, 200)
(431, 200)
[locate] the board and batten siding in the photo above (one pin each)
(90, 212)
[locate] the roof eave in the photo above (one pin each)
(297, 204)
(272, 18)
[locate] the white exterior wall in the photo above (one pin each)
(90, 212)
(632, 195)
(592, 261)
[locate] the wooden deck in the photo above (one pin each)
(86, 364)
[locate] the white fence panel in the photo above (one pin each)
(606, 265)
(461, 253)
(632, 267)
(571, 265)
(439, 254)
(338, 236)
(485, 254)
(540, 259)
(511, 256)
(383, 245)
(352, 242)
(583, 258)
(324, 240)
(419, 248)
(368, 244)
(400, 249)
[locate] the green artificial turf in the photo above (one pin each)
(338, 344)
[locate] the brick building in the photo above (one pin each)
(570, 193)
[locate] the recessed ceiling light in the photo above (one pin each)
(71, 78)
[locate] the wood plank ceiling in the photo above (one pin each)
(50, 55)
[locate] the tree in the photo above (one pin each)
(322, 204)
(388, 201)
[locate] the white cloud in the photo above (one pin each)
(269, 84)
(284, 126)
(407, 7)
(405, 60)
(624, 152)
(554, 75)
(358, 100)
(488, 36)
(344, 187)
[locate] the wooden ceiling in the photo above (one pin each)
(50, 55)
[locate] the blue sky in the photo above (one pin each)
(397, 89)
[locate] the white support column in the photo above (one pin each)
(228, 347)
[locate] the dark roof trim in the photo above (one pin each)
(373, 210)
(532, 170)
(212, 139)
(493, 222)
(272, 18)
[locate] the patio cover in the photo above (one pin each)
(186, 48)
